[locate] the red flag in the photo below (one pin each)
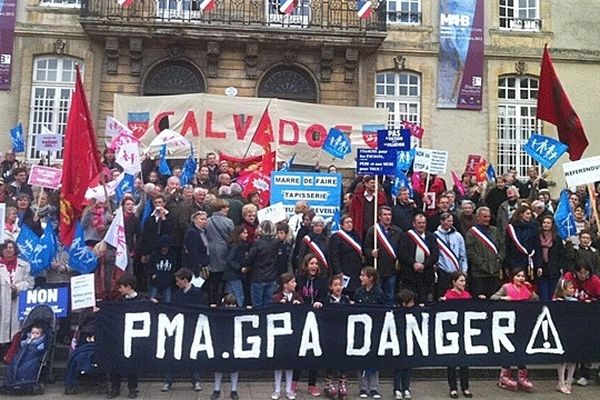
(81, 162)
(554, 107)
(481, 170)
(264, 132)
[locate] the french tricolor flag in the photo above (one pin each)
(363, 7)
(125, 3)
(287, 6)
(207, 5)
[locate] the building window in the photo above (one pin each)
(400, 93)
(60, 3)
(523, 15)
(288, 83)
(173, 77)
(300, 17)
(52, 84)
(405, 12)
(517, 107)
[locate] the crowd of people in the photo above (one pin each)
(495, 240)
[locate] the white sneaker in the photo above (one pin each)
(583, 381)
(397, 395)
(291, 396)
(275, 396)
(407, 395)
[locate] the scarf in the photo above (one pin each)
(547, 242)
(11, 265)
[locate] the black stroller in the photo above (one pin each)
(25, 374)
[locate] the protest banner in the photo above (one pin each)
(152, 338)
(274, 213)
(83, 291)
(393, 139)
(376, 162)
(582, 172)
(48, 142)
(430, 161)
(45, 177)
(56, 298)
(472, 162)
(321, 191)
(545, 150)
(215, 123)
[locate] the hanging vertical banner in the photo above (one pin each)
(460, 77)
(8, 12)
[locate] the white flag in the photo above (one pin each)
(115, 236)
(128, 157)
(97, 192)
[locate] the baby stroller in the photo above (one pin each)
(25, 371)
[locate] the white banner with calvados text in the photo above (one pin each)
(214, 123)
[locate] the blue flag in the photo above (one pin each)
(188, 171)
(16, 134)
(288, 164)
(125, 185)
(163, 167)
(148, 208)
(337, 143)
(564, 219)
(491, 173)
(401, 181)
(39, 252)
(81, 258)
(335, 221)
(27, 242)
(405, 159)
(545, 150)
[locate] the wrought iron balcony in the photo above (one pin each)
(320, 15)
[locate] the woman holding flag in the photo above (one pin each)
(345, 254)
(523, 247)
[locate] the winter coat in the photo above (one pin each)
(9, 305)
(402, 215)
(456, 243)
(556, 259)
(372, 297)
(575, 255)
(195, 254)
(24, 366)
(218, 231)
(261, 260)
(529, 236)
(407, 258)
(235, 262)
(284, 255)
(386, 265)
(357, 208)
(161, 268)
(152, 230)
(312, 289)
(483, 263)
(321, 241)
(343, 258)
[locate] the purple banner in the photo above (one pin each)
(8, 12)
(460, 78)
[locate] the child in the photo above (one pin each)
(234, 273)
(126, 285)
(161, 266)
(405, 299)
(284, 247)
(186, 294)
(369, 293)
(565, 291)
(516, 290)
(286, 295)
(458, 292)
(24, 366)
(228, 301)
(336, 287)
(312, 285)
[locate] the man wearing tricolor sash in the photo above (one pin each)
(388, 238)
(419, 254)
(453, 255)
(346, 254)
(485, 253)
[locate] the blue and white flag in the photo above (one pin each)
(335, 222)
(39, 252)
(148, 208)
(27, 241)
(401, 181)
(163, 167)
(564, 219)
(545, 150)
(286, 165)
(81, 258)
(16, 135)
(188, 171)
(125, 185)
(337, 143)
(491, 173)
(405, 159)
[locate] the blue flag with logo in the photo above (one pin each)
(337, 143)
(405, 159)
(39, 252)
(148, 208)
(564, 219)
(545, 150)
(27, 241)
(491, 173)
(188, 170)
(125, 185)
(401, 181)
(81, 258)
(288, 164)
(163, 167)
(335, 222)
(16, 135)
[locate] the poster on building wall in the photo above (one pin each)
(8, 12)
(460, 74)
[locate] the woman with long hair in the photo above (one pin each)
(523, 247)
(553, 251)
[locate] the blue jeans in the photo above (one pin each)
(546, 287)
(388, 285)
(165, 293)
(262, 293)
(236, 288)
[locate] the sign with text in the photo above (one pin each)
(321, 191)
(582, 172)
(83, 291)
(393, 139)
(274, 213)
(45, 177)
(472, 162)
(48, 142)
(376, 162)
(430, 161)
(56, 298)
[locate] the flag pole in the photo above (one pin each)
(426, 190)
(37, 210)
(256, 130)
(375, 219)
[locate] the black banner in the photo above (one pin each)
(151, 338)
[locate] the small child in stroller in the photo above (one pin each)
(24, 367)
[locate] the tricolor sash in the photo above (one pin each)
(486, 241)
(350, 240)
(316, 250)
(510, 229)
(445, 248)
(385, 243)
(419, 242)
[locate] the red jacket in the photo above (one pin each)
(358, 205)
(585, 290)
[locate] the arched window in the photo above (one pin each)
(517, 107)
(53, 82)
(173, 77)
(400, 93)
(288, 83)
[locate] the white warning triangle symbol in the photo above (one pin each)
(545, 324)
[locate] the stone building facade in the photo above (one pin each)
(323, 53)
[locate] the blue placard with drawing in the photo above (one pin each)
(393, 139)
(56, 298)
(337, 143)
(545, 150)
(376, 162)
